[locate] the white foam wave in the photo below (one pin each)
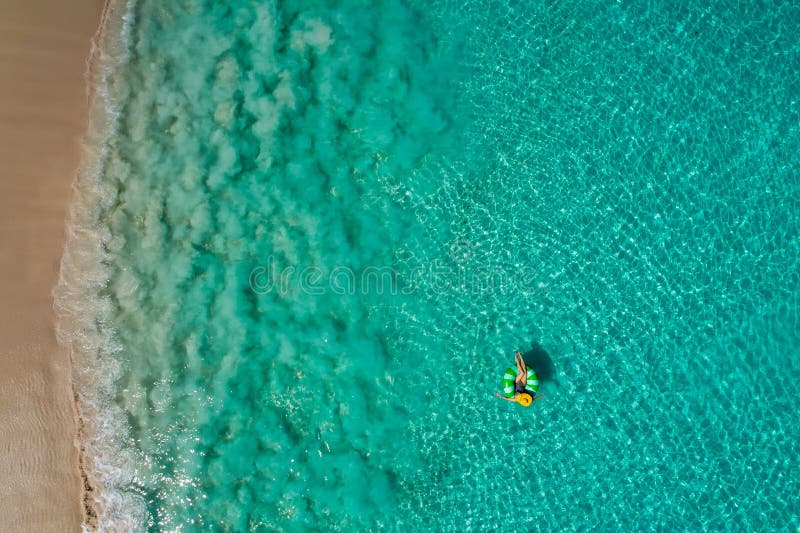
(82, 312)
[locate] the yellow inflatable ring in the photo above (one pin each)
(524, 399)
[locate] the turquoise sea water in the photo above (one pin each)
(312, 235)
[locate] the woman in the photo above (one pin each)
(520, 382)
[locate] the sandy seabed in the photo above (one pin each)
(44, 51)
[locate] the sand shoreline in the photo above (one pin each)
(44, 46)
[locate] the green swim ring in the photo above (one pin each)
(508, 382)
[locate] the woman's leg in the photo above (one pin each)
(520, 362)
(522, 371)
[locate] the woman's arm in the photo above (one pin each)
(504, 398)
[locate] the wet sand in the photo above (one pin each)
(44, 46)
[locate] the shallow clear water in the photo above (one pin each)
(325, 228)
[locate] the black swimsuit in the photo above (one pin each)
(519, 388)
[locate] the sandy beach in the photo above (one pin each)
(44, 46)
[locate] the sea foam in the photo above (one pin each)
(82, 309)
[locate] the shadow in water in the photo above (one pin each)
(540, 361)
